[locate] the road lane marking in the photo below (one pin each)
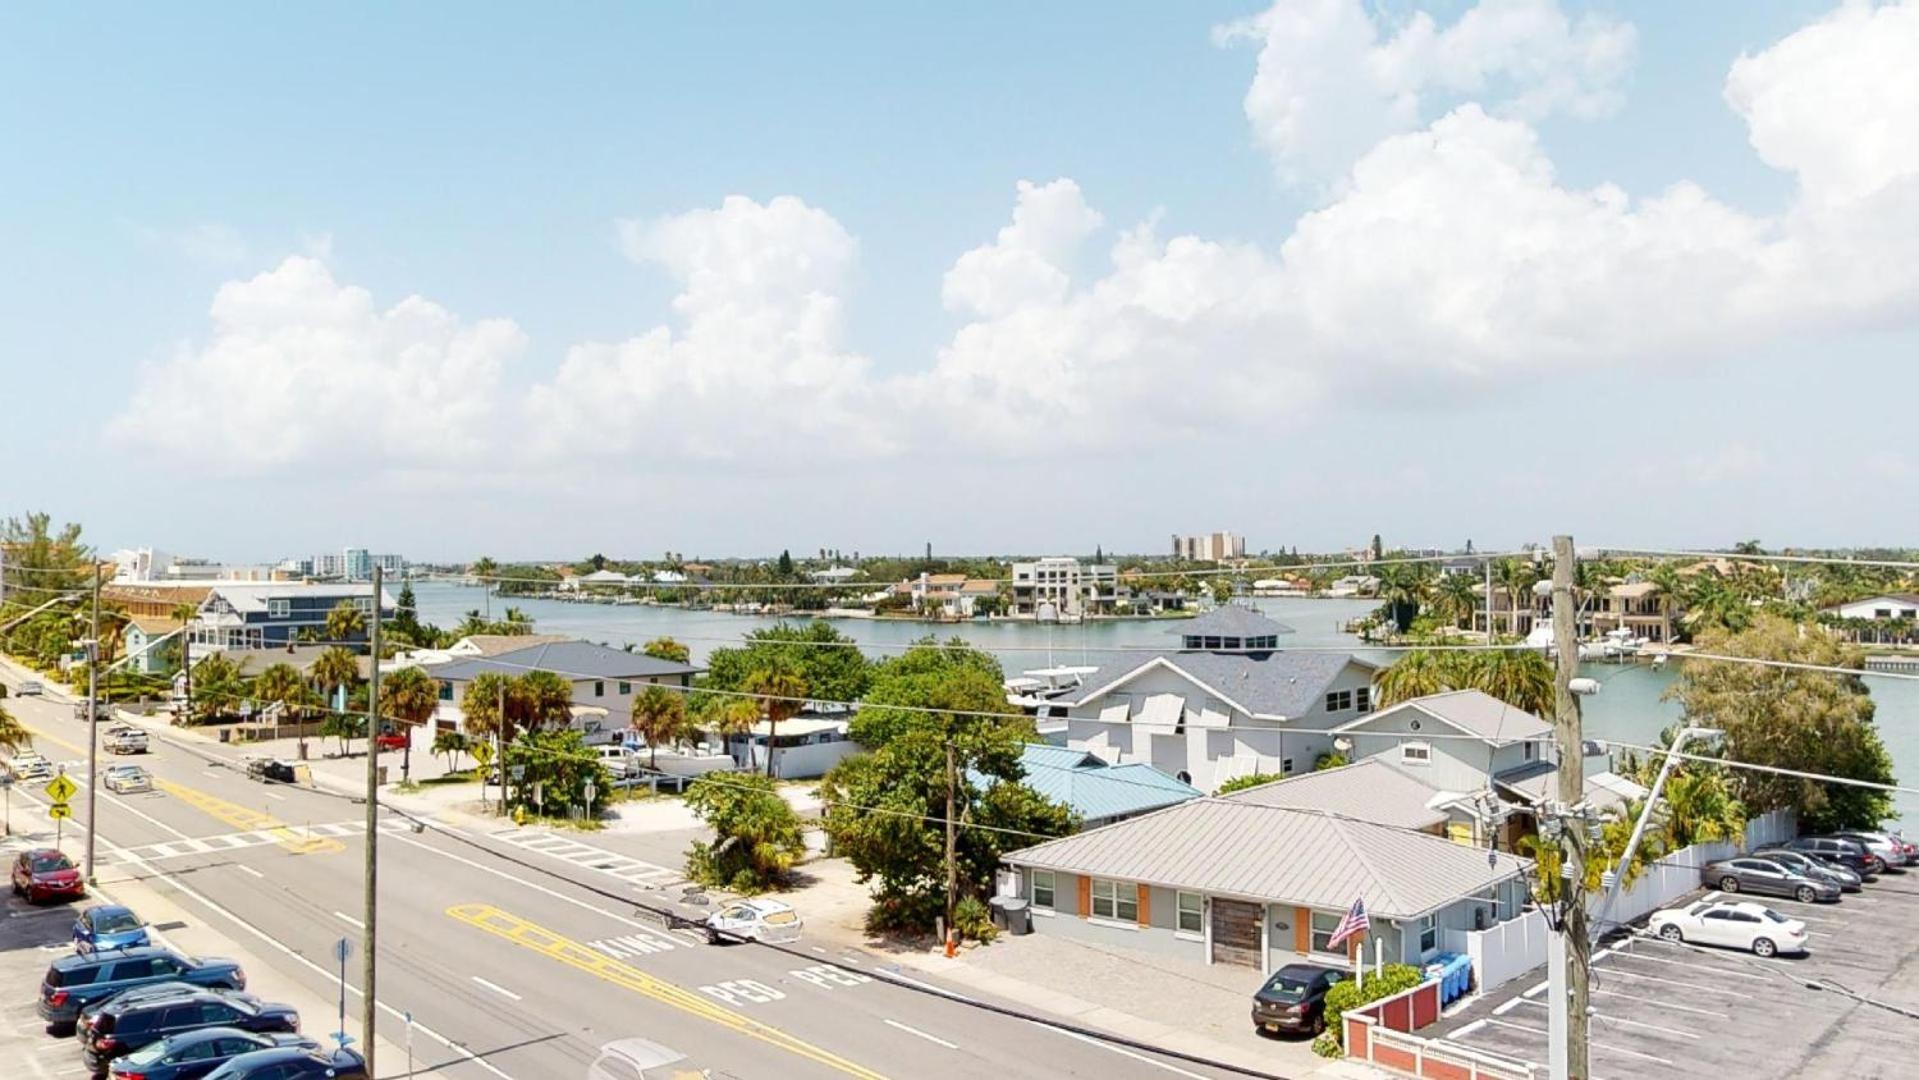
(735, 991)
(245, 820)
(574, 954)
(1661, 1004)
(630, 945)
(1707, 987)
(1704, 967)
(344, 917)
(250, 870)
(496, 988)
(1542, 1032)
(828, 977)
(1611, 1019)
(921, 1034)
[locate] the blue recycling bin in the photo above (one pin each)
(1455, 974)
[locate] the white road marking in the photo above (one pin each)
(1470, 1028)
(1608, 1018)
(496, 988)
(1751, 976)
(1509, 1006)
(921, 1034)
(1123, 1052)
(275, 798)
(1595, 1042)
(1663, 1004)
(1616, 973)
(250, 870)
(344, 917)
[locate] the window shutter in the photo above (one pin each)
(1145, 906)
(1085, 896)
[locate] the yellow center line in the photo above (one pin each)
(233, 814)
(567, 951)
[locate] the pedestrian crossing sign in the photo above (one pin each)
(60, 789)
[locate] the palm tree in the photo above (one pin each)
(13, 734)
(1454, 597)
(665, 648)
(483, 702)
(345, 622)
(1417, 674)
(659, 715)
(281, 685)
(1701, 808)
(220, 690)
(544, 700)
(410, 696)
(336, 667)
(483, 568)
(782, 691)
(452, 744)
(514, 621)
(1515, 578)
(1520, 678)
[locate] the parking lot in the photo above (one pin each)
(1663, 1009)
(30, 938)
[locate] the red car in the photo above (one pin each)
(46, 874)
(390, 738)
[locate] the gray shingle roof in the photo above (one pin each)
(1279, 855)
(1474, 712)
(1277, 684)
(574, 659)
(1231, 620)
(1370, 790)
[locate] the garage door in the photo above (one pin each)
(1236, 933)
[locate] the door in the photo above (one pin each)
(1236, 929)
(1715, 927)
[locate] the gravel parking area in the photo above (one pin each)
(1669, 1010)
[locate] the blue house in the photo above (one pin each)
(1099, 793)
(271, 614)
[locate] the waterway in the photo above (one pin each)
(1630, 706)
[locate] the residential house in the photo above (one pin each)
(482, 645)
(602, 678)
(1226, 704)
(806, 746)
(155, 599)
(1884, 607)
(1641, 608)
(1061, 587)
(1097, 792)
(150, 643)
(1230, 881)
(834, 575)
(971, 592)
(1374, 789)
(598, 579)
(935, 593)
(264, 615)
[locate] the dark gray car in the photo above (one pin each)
(73, 982)
(1749, 873)
(1813, 868)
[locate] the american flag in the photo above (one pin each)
(1355, 922)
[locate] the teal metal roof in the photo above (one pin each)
(1095, 790)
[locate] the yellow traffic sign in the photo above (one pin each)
(59, 810)
(60, 789)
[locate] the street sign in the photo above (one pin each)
(59, 810)
(341, 950)
(60, 789)
(6, 780)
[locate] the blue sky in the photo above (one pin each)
(485, 160)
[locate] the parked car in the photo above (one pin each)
(390, 738)
(771, 921)
(289, 1063)
(1844, 853)
(126, 779)
(73, 982)
(1294, 999)
(46, 874)
(101, 710)
(31, 688)
(121, 1028)
(127, 740)
(618, 760)
(1736, 924)
(193, 1054)
(31, 766)
(1749, 873)
(107, 927)
(1891, 851)
(270, 770)
(1847, 880)
(149, 992)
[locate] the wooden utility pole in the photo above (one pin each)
(369, 1002)
(952, 835)
(1569, 734)
(93, 724)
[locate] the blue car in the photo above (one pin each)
(194, 1054)
(106, 927)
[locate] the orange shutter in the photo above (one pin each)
(1302, 930)
(1145, 906)
(1085, 896)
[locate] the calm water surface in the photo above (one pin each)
(1627, 708)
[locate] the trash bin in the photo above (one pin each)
(996, 907)
(1019, 920)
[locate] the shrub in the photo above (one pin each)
(1348, 994)
(756, 834)
(1241, 783)
(1326, 1044)
(974, 920)
(906, 912)
(1329, 761)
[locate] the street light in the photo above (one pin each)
(1645, 816)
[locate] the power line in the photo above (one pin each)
(1729, 556)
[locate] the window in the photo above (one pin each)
(365, 604)
(1115, 900)
(1286, 767)
(599, 689)
(1530, 750)
(1416, 753)
(446, 691)
(279, 608)
(1428, 934)
(1339, 701)
(1043, 889)
(1324, 923)
(1192, 914)
(1363, 699)
(625, 688)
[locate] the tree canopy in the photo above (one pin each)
(830, 662)
(756, 834)
(1519, 677)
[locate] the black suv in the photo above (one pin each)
(1847, 853)
(1294, 999)
(121, 1029)
(73, 982)
(288, 1063)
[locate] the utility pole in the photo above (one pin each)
(952, 836)
(369, 1008)
(1569, 974)
(93, 724)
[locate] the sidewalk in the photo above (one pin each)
(1207, 1007)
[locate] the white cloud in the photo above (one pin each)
(1332, 79)
(299, 368)
(1031, 260)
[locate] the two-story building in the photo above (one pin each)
(1641, 608)
(602, 678)
(1062, 588)
(270, 614)
(1227, 703)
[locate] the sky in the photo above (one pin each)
(726, 279)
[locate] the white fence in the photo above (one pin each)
(1516, 946)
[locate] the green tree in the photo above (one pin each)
(346, 622)
(786, 565)
(282, 685)
(406, 620)
(42, 561)
(1418, 673)
(659, 715)
(481, 705)
(218, 689)
(1514, 578)
(485, 568)
(949, 675)
(829, 661)
(335, 669)
(558, 765)
(782, 691)
(1241, 783)
(410, 696)
(1701, 807)
(1454, 599)
(1791, 719)
(345, 727)
(13, 734)
(1521, 678)
(756, 834)
(544, 701)
(451, 743)
(665, 648)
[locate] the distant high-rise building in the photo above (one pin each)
(390, 565)
(1209, 547)
(326, 564)
(356, 564)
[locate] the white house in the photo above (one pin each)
(1888, 606)
(1227, 704)
(602, 677)
(1061, 587)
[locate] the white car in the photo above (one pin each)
(31, 766)
(618, 760)
(127, 779)
(1735, 924)
(771, 921)
(128, 740)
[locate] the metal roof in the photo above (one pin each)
(1231, 620)
(1093, 789)
(1284, 684)
(1370, 790)
(1473, 712)
(1307, 858)
(573, 659)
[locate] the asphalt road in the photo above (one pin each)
(515, 971)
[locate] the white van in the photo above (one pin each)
(618, 760)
